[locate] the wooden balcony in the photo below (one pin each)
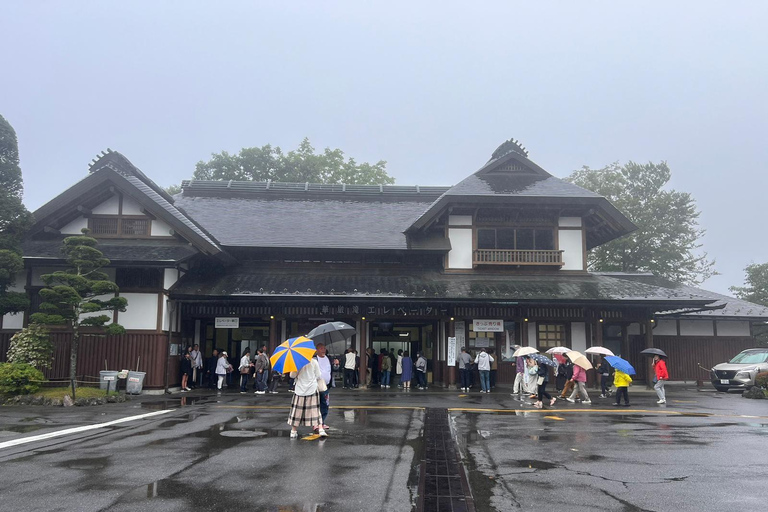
(514, 257)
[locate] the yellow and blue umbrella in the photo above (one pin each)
(292, 355)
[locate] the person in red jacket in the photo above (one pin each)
(660, 367)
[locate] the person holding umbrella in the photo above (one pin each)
(542, 364)
(579, 380)
(660, 367)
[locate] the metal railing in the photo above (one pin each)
(517, 257)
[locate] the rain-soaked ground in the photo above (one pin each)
(703, 451)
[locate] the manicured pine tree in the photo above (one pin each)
(74, 296)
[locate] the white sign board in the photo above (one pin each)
(488, 325)
(459, 328)
(482, 342)
(452, 351)
(226, 322)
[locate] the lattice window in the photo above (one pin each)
(135, 227)
(551, 335)
(104, 225)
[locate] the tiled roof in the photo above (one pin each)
(247, 280)
(733, 307)
(116, 250)
(517, 185)
(333, 221)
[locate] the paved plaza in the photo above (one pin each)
(703, 450)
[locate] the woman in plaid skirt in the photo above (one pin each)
(305, 406)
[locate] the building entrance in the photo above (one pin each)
(413, 337)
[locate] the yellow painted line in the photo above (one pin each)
(463, 396)
(311, 437)
(555, 418)
(685, 401)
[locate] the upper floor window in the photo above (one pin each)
(138, 278)
(520, 239)
(115, 225)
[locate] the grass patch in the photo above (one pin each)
(81, 393)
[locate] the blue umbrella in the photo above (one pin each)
(540, 359)
(620, 364)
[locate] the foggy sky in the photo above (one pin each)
(431, 87)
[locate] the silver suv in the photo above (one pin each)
(740, 372)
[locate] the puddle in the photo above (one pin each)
(243, 433)
(86, 464)
(535, 464)
(22, 429)
(184, 401)
(37, 420)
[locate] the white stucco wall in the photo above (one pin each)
(569, 222)
(460, 255)
(665, 328)
(99, 313)
(170, 276)
(579, 336)
(109, 207)
(75, 227)
(572, 245)
(459, 220)
(160, 228)
(16, 320)
(733, 328)
(696, 328)
(141, 312)
(131, 207)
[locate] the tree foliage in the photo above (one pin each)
(32, 345)
(19, 378)
(756, 290)
(666, 242)
(75, 296)
(298, 166)
(14, 220)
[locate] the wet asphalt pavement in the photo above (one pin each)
(703, 451)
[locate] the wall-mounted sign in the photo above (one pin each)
(461, 337)
(488, 325)
(482, 342)
(452, 351)
(227, 322)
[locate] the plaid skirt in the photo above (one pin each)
(305, 410)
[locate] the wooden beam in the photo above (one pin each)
(84, 210)
(51, 229)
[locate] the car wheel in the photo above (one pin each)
(721, 389)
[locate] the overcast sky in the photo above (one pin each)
(430, 87)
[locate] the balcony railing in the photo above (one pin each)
(515, 257)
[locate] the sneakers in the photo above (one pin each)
(273, 392)
(242, 392)
(603, 396)
(322, 433)
(552, 402)
(615, 405)
(184, 390)
(538, 405)
(571, 400)
(586, 401)
(662, 401)
(261, 392)
(294, 434)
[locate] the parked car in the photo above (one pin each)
(740, 372)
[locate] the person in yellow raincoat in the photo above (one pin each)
(622, 381)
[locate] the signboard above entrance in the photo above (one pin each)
(488, 325)
(227, 322)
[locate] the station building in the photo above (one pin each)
(496, 260)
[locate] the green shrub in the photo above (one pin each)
(31, 345)
(762, 380)
(19, 379)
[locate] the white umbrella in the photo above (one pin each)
(600, 350)
(558, 350)
(579, 359)
(524, 351)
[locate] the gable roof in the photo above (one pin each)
(509, 177)
(112, 170)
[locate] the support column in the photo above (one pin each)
(363, 352)
(451, 380)
(648, 324)
(625, 341)
(598, 333)
(272, 335)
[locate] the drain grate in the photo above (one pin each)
(443, 484)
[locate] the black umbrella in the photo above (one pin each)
(331, 331)
(654, 352)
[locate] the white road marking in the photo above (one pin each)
(75, 430)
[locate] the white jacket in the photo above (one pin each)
(483, 361)
(306, 379)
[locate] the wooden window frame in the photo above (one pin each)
(566, 341)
